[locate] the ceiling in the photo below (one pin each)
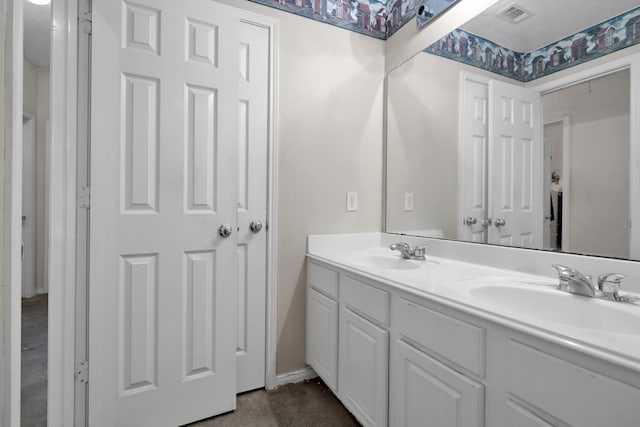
(551, 20)
(37, 34)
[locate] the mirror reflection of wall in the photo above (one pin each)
(422, 145)
(599, 213)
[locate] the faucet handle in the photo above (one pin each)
(420, 251)
(564, 273)
(609, 283)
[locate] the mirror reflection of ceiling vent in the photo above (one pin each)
(514, 13)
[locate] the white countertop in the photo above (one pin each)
(580, 323)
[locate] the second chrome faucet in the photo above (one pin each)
(407, 252)
(572, 281)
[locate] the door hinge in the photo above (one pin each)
(84, 197)
(86, 23)
(82, 372)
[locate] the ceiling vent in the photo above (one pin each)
(514, 13)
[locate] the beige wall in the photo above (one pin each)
(36, 104)
(43, 107)
(330, 94)
(30, 88)
(422, 143)
(599, 165)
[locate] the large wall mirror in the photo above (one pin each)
(507, 156)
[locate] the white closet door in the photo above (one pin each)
(515, 165)
(163, 283)
(253, 142)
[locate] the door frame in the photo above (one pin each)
(271, 24)
(632, 63)
(12, 216)
(61, 275)
(565, 121)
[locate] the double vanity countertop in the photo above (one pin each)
(526, 302)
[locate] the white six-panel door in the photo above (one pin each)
(253, 143)
(515, 166)
(163, 293)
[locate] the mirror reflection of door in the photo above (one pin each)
(501, 164)
(556, 191)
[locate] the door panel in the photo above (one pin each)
(253, 130)
(363, 368)
(163, 179)
(515, 165)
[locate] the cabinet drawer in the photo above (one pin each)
(458, 341)
(575, 395)
(322, 279)
(367, 300)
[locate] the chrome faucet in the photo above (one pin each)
(572, 281)
(407, 252)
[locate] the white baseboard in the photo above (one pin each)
(295, 376)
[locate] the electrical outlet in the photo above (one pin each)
(352, 201)
(408, 201)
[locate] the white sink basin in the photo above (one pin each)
(390, 262)
(551, 305)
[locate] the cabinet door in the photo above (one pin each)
(425, 392)
(363, 371)
(322, 337)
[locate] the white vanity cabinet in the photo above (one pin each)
(348, 341)
(402, 358)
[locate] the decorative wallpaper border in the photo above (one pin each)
(375, 18)
(607, 37)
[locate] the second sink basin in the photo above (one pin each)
(549, 304)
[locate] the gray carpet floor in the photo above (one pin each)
(34, 361)
(306, 404)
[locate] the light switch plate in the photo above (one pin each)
(352, 201)
(408, 201)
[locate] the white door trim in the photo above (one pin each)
(62, 214)
(61, 219)
(631, 62)
(565, 121)
(272, 176)
(12, 213)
